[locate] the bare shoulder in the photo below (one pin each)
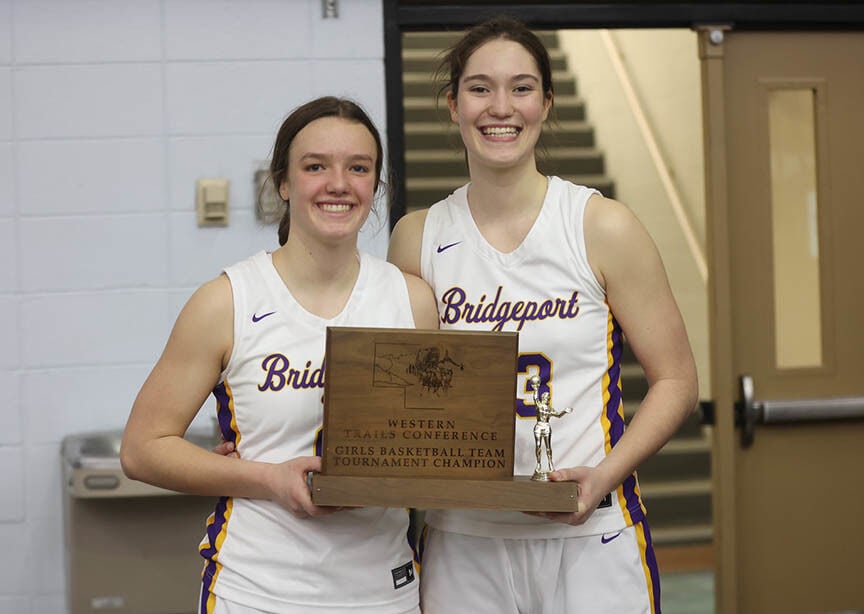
(213, 299)
(616, 239)
(207, 319)
(405, 240)
(606, 218)
(412, 221)
(423, 303)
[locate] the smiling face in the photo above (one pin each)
(500, 106)
(331, 178)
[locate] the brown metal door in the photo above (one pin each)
(784, 117)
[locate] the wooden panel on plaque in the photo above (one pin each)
(425, 419)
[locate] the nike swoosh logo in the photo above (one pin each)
(606, 540)
(442, 248)
(257, 318)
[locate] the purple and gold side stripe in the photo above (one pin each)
(649, 564)
(612, 419)
(225, 413)
(217, 530)
(217, 523)
(420, 549)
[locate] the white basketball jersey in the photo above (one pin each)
(546, 291)
(269, 402)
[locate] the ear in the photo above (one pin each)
(451, 104)
(283, 190)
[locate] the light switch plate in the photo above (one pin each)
(211, 202)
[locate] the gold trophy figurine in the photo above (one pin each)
(543, 430)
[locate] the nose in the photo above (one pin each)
(337, 181)
(500, 104)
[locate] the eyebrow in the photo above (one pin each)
(484, 77)
(327, 156)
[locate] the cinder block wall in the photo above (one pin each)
(109, 112)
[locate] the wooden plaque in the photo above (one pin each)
(425, 419)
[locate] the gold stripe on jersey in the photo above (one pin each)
(210, 547)
(653, 589)
(607, 401)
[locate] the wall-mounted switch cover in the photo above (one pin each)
(211, 202)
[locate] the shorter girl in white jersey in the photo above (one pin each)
(254, 337)
(571, 272)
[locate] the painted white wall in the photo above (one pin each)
(663, 67)
(109, 112)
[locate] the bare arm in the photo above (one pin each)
(626, 261)
(153, 448)
(404, 249)
(423, 304)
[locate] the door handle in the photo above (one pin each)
(749, 412)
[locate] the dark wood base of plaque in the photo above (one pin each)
(519, 494)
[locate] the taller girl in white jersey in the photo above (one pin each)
(572, 272)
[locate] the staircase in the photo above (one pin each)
(676, 482)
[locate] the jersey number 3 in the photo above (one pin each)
(530, 364)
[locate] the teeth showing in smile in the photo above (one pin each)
(335, 207)
(500, 131)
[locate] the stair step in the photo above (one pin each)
(443, 162)
(687, 534)
(591, 163)
(685, 506)
(570, 107)
(674, 489)
(686, 445)
(692, 426)
(680, 459)
(417, 136)
(426, 109)
(633, 382)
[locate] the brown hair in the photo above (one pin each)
(302, 116)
